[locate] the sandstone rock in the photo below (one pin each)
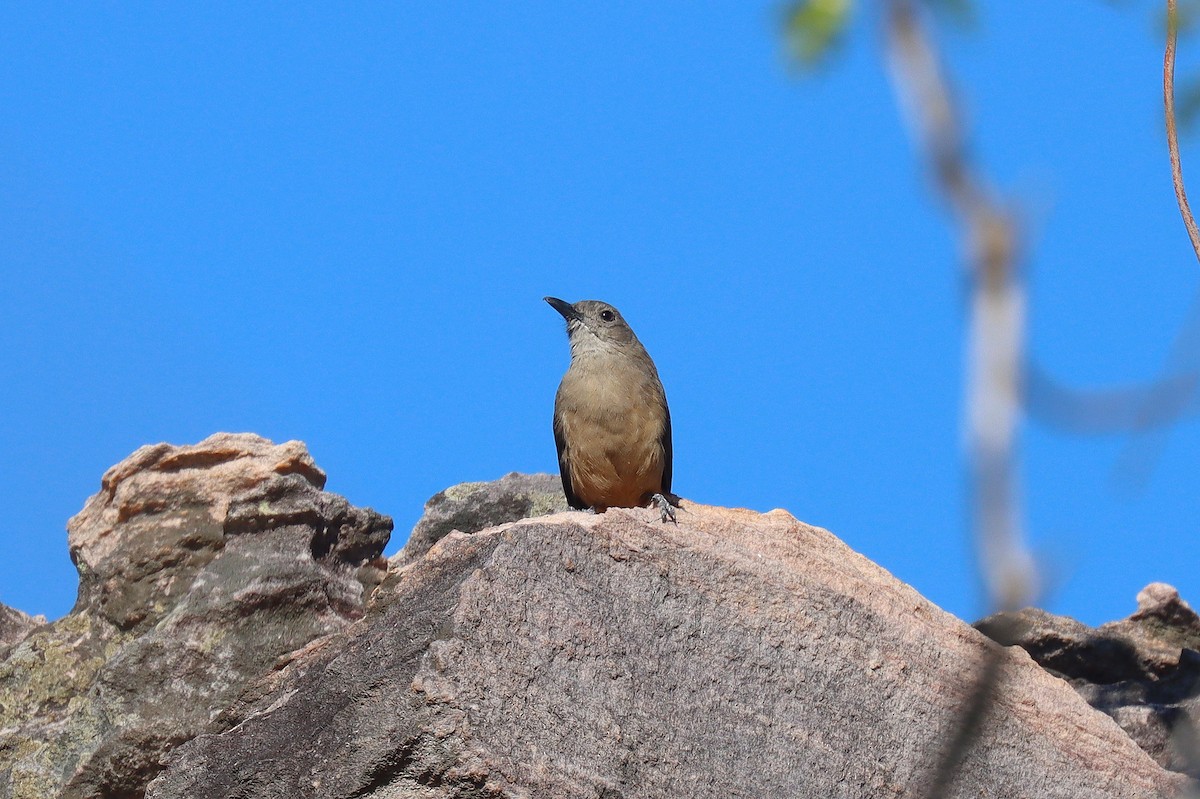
(200, 567)
(610, 655)
(1144, 671)
(471, 507)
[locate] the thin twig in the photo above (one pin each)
(1185, 209)
(1184, 734)
(1137, 460)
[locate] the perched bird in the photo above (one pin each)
(611, 421)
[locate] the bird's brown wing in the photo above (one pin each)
(564, 468)
(666, 447)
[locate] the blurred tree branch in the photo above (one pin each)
(1003, 381)
(989, 236)
(813, 28)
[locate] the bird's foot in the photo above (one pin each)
(666, 504)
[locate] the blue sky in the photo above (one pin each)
(337, 226)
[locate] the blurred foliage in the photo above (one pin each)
(1187, 104)
(1187, 14)
(814, 28)
(1187, 90)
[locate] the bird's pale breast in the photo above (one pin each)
(613, 432)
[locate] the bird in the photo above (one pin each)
(612, 425)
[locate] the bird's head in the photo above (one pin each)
(593, 325)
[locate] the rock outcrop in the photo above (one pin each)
(238, 635)
(200, 566)
(734, 655)
(1144, 670)
(471, 507)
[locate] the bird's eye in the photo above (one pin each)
(607, 315)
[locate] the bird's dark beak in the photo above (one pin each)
(565, 308)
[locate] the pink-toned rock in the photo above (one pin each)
(223, 633)
(174, 499)
(734, 655)
(166, 511)
(200, 568)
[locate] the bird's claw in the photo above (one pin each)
(665, 506)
